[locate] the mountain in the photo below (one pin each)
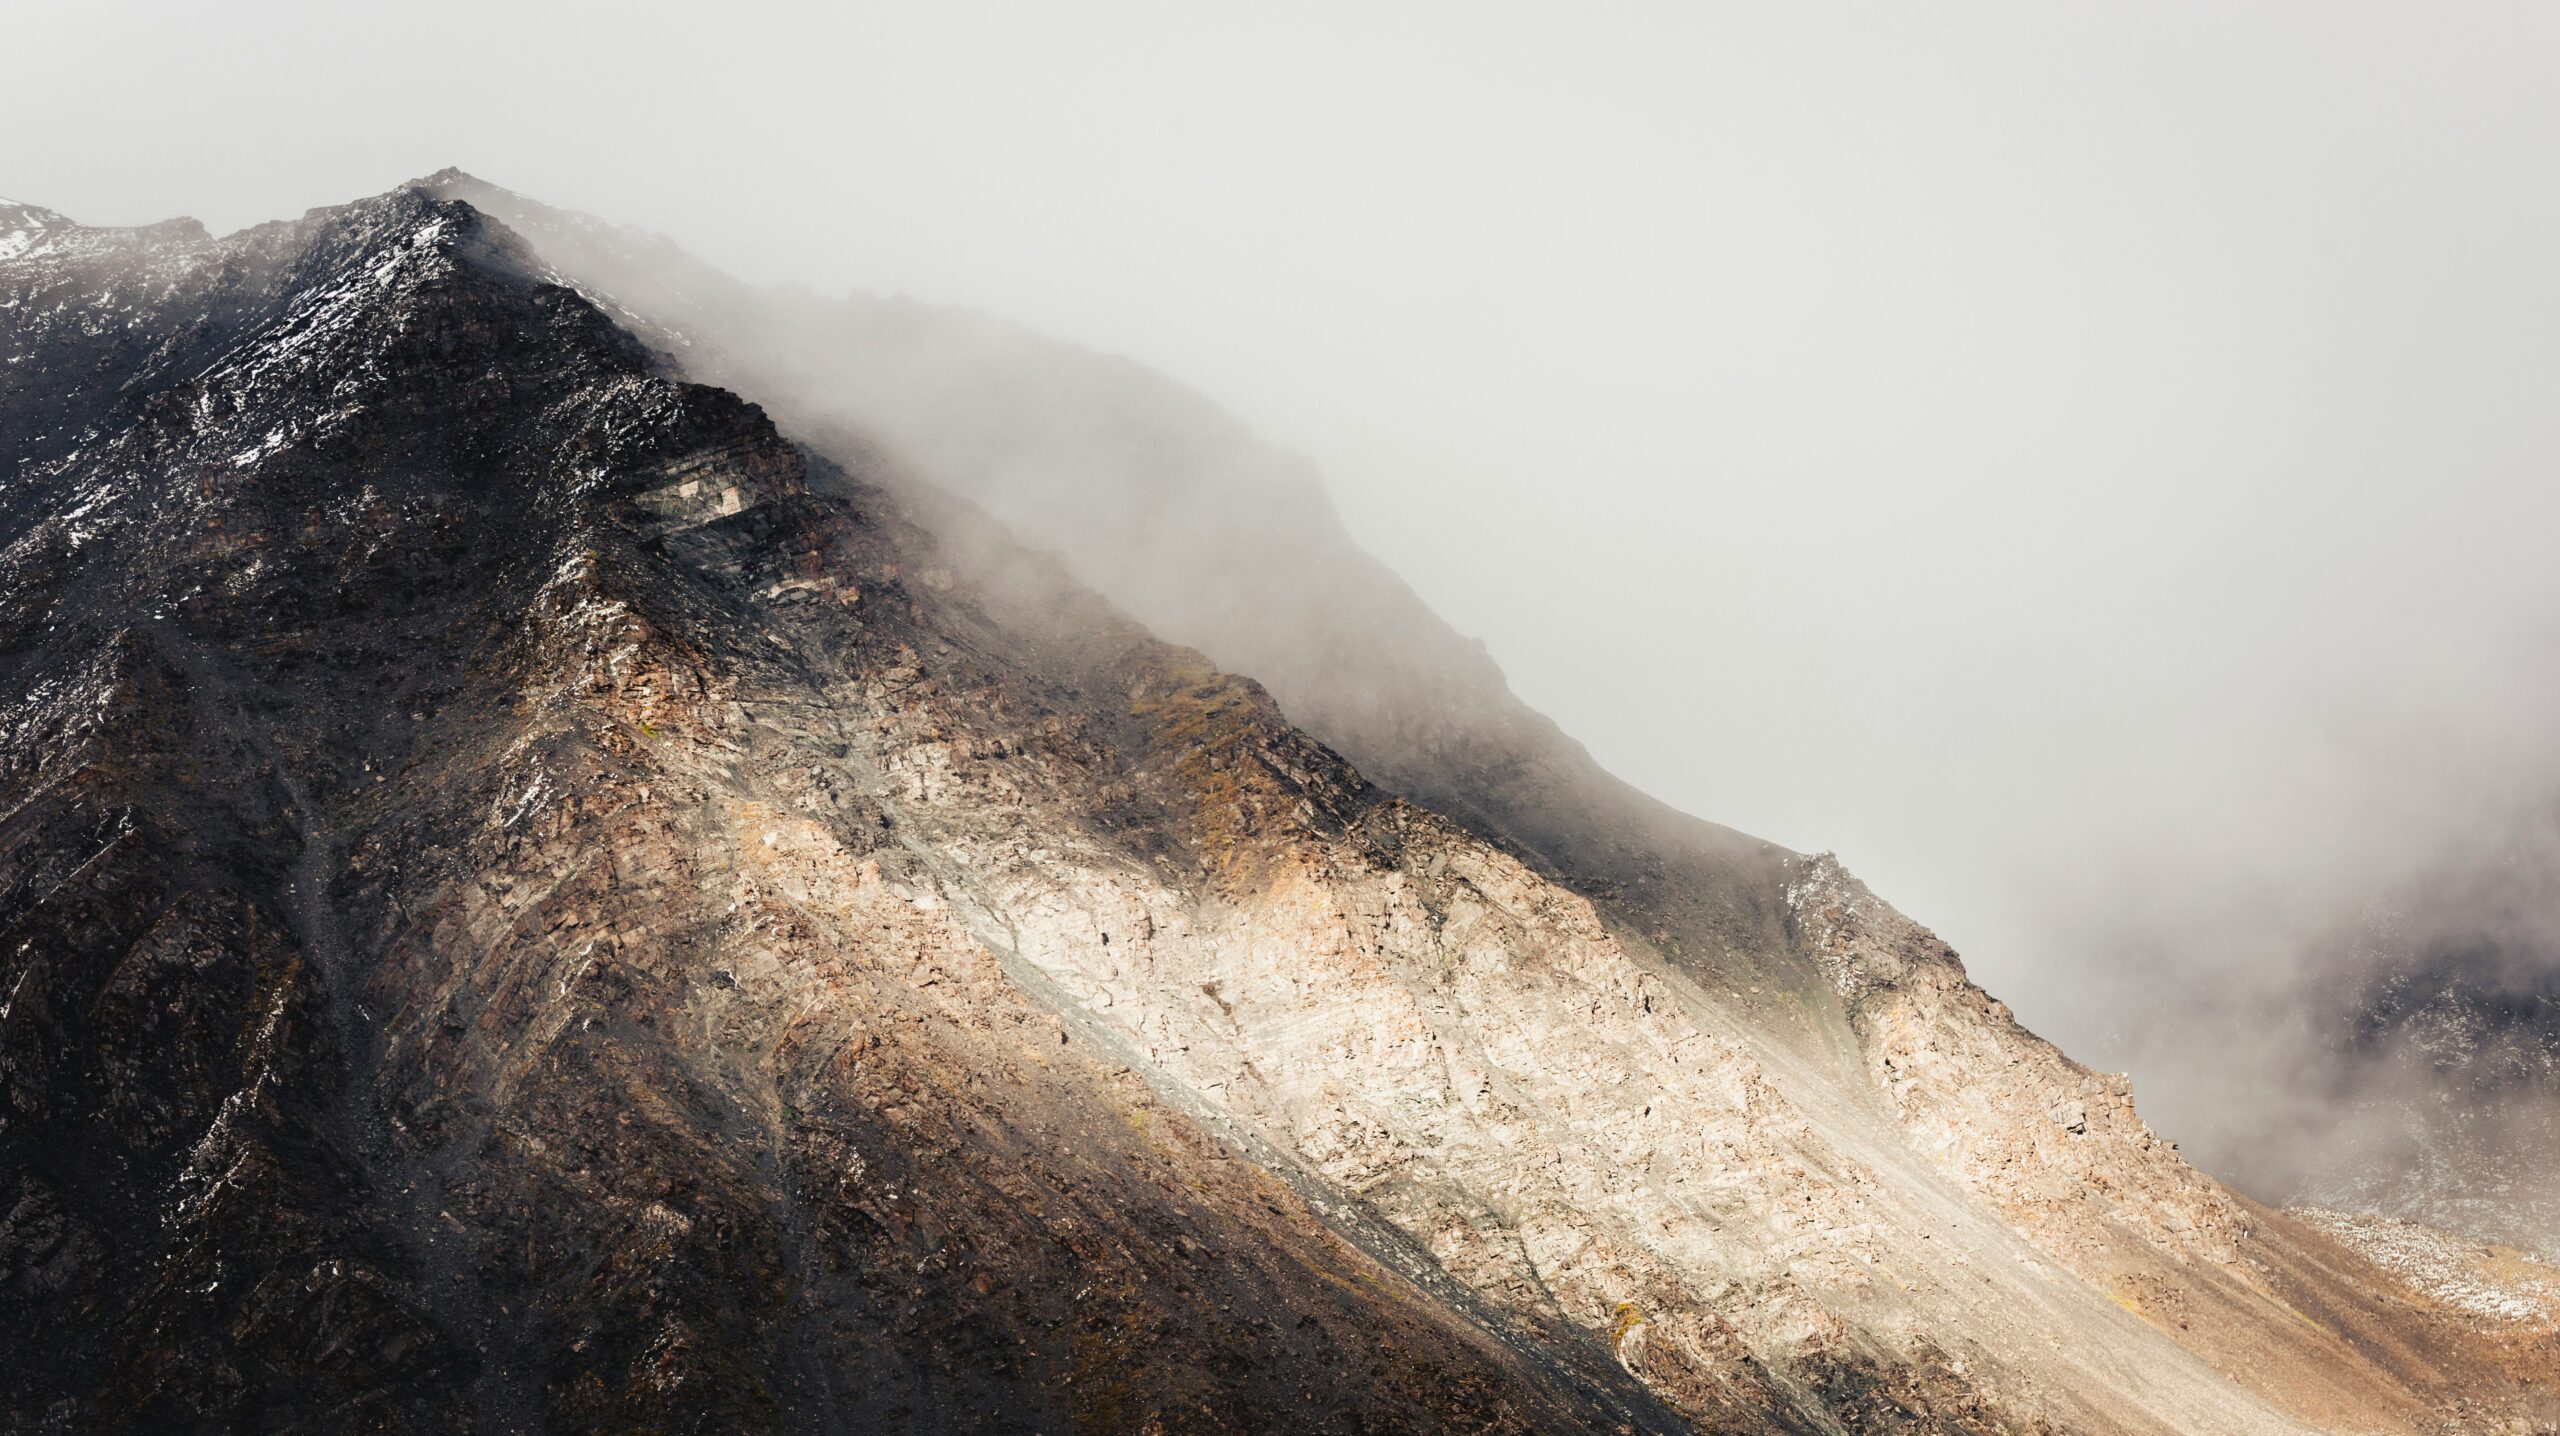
(2439, 1040)
(536, 897)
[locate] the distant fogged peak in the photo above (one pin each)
(449, 175)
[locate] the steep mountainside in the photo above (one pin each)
(1206, 534)
(436, 1000)
(530, 901)
(1210, 535)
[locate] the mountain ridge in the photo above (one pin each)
(881, 856)
(1232, 548)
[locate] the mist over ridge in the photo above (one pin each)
(2057, 460)
(2208, 958)
(1580, 703)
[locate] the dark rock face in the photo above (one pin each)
(376, 1051)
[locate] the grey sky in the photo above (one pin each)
(2087, 464)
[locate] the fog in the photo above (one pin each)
(2091, 467)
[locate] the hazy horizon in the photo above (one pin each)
(2088, 468)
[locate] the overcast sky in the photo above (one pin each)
(2081, 462)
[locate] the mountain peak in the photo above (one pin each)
(449, 175)
(453, 182)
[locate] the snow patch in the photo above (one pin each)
(2463, 1274)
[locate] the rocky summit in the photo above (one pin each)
(562, 869)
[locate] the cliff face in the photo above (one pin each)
(530, 901)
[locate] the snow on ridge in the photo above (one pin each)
(325, 310)
(23, 226)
